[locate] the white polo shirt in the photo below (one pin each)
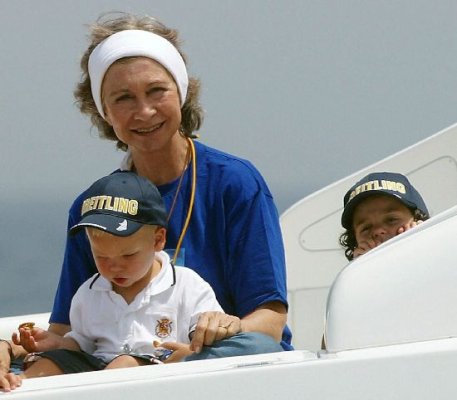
(166, 310)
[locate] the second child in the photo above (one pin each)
(378, 207)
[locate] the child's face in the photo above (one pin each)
(127, 262)
(379, 218)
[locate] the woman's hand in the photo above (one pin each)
(212, 326)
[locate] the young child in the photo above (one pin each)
(137, 298)
(378, 207)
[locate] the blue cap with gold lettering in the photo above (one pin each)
(388, 183)
(121, 203)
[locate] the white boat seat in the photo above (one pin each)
(389, 296)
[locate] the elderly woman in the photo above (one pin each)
(222, 219)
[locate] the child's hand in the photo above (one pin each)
(36, 339)
(212, 326)
(10, 381)
(180, 350)
(364, 247)
(408, 226)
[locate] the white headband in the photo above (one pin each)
(131, 43)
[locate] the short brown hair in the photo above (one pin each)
(105, 26)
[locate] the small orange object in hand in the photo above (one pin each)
(27, 325)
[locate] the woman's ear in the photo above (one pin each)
(107, 117)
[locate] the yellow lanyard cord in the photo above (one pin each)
(193, 157)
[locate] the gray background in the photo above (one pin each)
(309, 91)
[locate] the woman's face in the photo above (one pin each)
(141, 103)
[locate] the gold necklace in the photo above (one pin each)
(193, 159)
(178, 189)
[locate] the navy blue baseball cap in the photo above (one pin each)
(121, 203)
(388, 183)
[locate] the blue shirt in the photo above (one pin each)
(233, 241)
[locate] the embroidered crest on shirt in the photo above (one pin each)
(163, 328)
